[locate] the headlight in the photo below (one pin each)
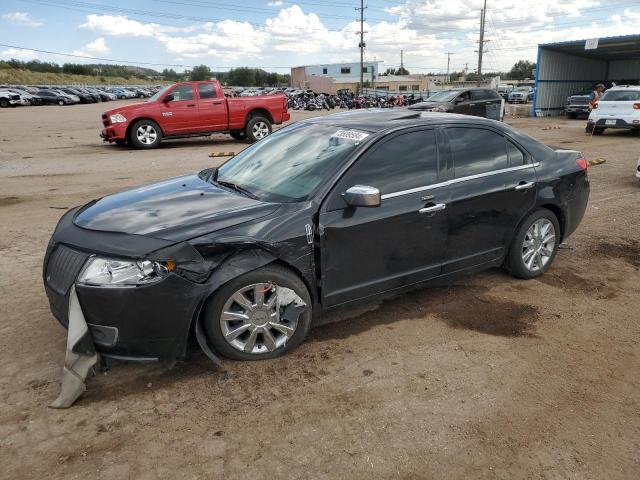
(118, 118)
(108, 272)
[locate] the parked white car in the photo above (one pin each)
(638, 169)
(619, 107)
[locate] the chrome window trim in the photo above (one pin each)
(458, 180)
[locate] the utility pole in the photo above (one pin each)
(481, 42)
(448, 64)
(361, 44)
(401, 60)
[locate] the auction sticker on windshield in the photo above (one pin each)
(353, 135)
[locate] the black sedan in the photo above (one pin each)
(480, 102)
(323, 213)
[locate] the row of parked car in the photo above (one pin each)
(512, 94)
(13, 96)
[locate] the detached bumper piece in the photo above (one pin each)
(80, 356)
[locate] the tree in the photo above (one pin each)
(522, 69)
(200, 72)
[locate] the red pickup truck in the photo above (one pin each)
(192, 109)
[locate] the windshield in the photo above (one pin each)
(289, 165)
(159, 93)
(445, 96)
(621, 96)
(521, 89)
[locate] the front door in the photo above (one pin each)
(179, 115)
(368, 250)
(462, 104)
(493, 185)
(212, 109)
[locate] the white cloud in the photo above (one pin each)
(424, 29)
(97, 47)
(23, 19)
(18, 54)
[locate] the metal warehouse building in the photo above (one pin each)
(566, 68)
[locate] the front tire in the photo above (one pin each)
(245, 319)
(4, 103)
(257, 128)
(534, 245)
(145, 134)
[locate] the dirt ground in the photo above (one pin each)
(486, 377)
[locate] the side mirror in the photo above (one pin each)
(459, 100)
(168, 98)
(362, 196)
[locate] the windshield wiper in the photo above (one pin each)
(237, 188)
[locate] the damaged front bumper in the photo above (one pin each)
(116, 131)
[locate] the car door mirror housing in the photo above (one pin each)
(168, 98)
(362, 196)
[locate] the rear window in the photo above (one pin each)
(477, 151)
(206, 90)
(621, 96)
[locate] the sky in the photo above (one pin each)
(277, 34)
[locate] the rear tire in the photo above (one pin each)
(598, 130)
(60, 102)
(268, 341)
(145, 134)
(257, 128)
(534, 245)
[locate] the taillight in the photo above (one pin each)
(636, 106)
(583, 164)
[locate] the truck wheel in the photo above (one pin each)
(145, 134)
(257, 128)
(4, 103)
(572, 116)
(598, 130)
(240, 135)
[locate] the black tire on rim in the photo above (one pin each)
(257, 128)
(598, 130)
(242, 320)
(61, 102)
(572, 116)
(145, 134)
(534, 245)
(238, 135)
(4, 103)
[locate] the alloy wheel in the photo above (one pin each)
(251, 321)
(260, 130)
(146, 134)
(539, 244)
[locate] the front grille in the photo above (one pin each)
(578, 101)
(63, 268)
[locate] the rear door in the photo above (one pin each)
(212, 108)
(180, 115)
(478, 105)
(368, 250)
(493, 187)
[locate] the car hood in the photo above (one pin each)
(132, 108)
(425, 105)
(175, 209)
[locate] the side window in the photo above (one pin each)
(206, 90)
(478, 95)
(406, 161)
(463, 97)
(476, 150)
(516, 157)
(182, 92)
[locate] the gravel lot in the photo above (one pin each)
(488, 377)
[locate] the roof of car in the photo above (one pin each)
(377, 120)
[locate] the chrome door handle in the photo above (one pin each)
(525, 186)
(434, 208)
(216, 102)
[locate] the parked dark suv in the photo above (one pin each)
(469, 101)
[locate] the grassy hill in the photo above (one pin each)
(26, 77)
